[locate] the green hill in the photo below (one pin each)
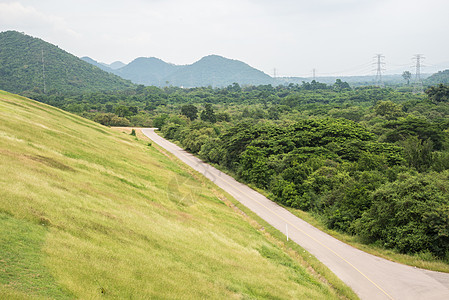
(89, 212)
(218, 71)
(437, 78)
(115, 65)
(147, 71)
(212, 70)
(28, 63)
(101, 66)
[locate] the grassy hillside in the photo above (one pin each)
(88, 212)
(22, 69)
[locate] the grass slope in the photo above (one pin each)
(87, 212)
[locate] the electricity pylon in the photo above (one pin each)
(418, 85)
(380, 67)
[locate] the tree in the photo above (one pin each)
(388, 109)
(410, 214)
(438, 93)
(190, 111)
(407, 75)
(160, 121)
(341, 85)
(122, 111)
(418, 153)
(208, 114)
(110, 119)
(133, 110)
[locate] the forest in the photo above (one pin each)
(368, 161)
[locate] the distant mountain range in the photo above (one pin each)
(31, 64)
(217, 71)
(212, 70)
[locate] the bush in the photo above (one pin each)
(410, 214)
(110, 119)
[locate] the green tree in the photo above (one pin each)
(388, 109)
(109, 119)
(438, 93)
(341, 85)
(407, 75)
(410, 214)
(122, 111)
(133, 110)
(160, 121)
(254, 167)
(208, 114)
(418, 153)
(190, 111)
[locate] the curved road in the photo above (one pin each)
(369, 276)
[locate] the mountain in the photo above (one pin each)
(102, 66)
(147, 71)
(105, 67)
(28, 63)
(213, 70)
(437, 78)
(218, 71)
(115, 65)
(88, 212)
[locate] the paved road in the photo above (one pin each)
(369, 276)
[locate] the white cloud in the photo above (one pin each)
(16, 16)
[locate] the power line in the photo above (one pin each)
(43, 70)
(418, 85)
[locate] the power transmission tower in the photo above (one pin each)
(418, 85)
(314, 71)
(380, 67)
(274, 73)
(43, 69)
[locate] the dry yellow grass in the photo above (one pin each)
(105, 215)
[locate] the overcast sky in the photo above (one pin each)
(335, 37)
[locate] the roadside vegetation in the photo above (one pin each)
(88, 212)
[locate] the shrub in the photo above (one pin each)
(410, 214)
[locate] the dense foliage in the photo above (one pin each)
(369, 162)
(438, 78)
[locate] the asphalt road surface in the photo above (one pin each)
(369, 276)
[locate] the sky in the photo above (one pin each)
(334, 37)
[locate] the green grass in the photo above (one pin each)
(88, 212)
(21, 265)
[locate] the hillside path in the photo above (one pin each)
(369, 276)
